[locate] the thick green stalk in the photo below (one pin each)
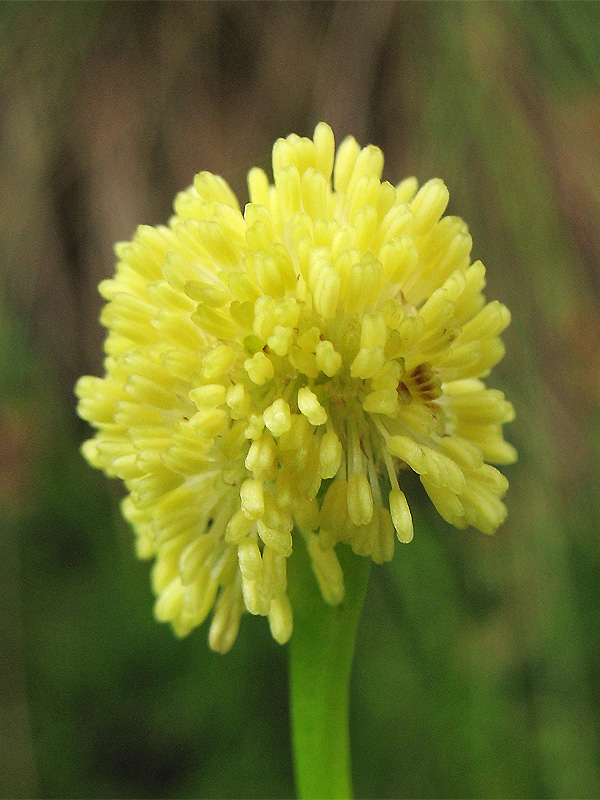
(321, 651)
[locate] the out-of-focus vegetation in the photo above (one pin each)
(478, 662)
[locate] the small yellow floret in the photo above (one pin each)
(360, 499)
(330, 455)
(328, 359)
(259, 368)
(401, 516)
(252, 498)
(309, 405)
(277, 417)
(280, 619)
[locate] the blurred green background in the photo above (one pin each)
(478, 661)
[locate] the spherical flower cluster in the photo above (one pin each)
(271, 373)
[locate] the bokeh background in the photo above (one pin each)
(478, 662)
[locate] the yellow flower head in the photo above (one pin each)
(271, 373)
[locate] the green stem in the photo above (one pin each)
(321, 651)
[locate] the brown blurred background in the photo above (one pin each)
(478, 668)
